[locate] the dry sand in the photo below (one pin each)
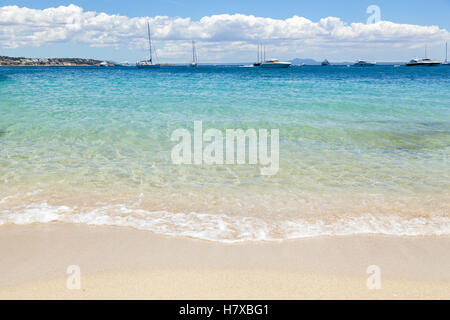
(121, 263)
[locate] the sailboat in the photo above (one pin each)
(194, 55)
(260, 56)
(445, 63)
(148, 64)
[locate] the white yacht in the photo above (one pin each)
(325, 62)
(425, 62)
(275, 63)
(194, 56)
(422, 62)
(362, 63)
(148, 64)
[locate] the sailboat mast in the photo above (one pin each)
(258, 54)
(446, 52)
(194, 52)
(149, 42)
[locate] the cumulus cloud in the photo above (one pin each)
(21, 27)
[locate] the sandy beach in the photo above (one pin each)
(122, 263)
(224, 151)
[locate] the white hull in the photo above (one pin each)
(364, 64)
(149, 66)
(275, 65)
(423, 64)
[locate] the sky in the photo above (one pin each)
(225, 31)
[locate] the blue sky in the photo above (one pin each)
(422, 13)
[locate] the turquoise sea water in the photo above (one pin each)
(362, 150)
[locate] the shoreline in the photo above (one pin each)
(123, 263)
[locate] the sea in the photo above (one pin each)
(360, 150)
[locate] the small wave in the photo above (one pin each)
(224, 228)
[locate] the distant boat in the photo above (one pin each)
(425, 62)
(261, 56)
(148, 64)
(275, 63)
(446, 62)
(422, 62)
(362, 63)
(325, 62)
(125, 64)
(194, 56)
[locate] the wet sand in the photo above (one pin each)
(122, 263)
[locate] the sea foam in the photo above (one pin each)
(225, 228)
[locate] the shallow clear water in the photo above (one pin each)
(362, 150)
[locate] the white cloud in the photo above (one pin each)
(23, 27)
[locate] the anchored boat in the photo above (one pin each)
(194, 56)
(422, 62)
(446, 62)
(148, 64)
(362, 63)
(261, 56)
(425, 62)
(275, 63)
